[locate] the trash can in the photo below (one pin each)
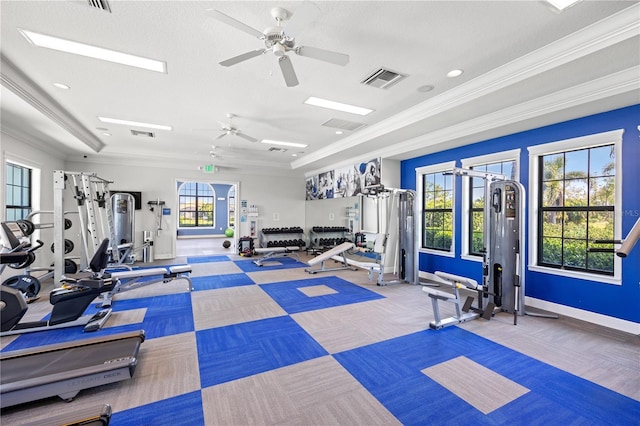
(147, 248)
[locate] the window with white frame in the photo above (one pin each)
(436, 189)
(18, 191)
(503, 163)
(575, 187)
(196, 202)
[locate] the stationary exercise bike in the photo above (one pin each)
(27, 284)
(69, 302)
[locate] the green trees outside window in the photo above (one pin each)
(576, 206)
(196, 203)
(476, 198)
(437, 194)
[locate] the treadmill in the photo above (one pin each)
(64, 369)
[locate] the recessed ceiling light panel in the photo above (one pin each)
(455, 73)
(134, 123)
(337, 106)
(68, 46)
(282, 143)
(61, 86)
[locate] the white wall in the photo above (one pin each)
(283, 195)
(46, 161)
(279, 196)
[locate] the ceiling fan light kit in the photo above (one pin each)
(281, 39)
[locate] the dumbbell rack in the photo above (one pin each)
(326, 237)
(282, 237)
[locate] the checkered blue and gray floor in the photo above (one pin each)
(309, 349)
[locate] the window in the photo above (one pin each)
(504, 163)
(435, 184)
(196, 202)
(577, 190)
(18, 192)
(231, 205)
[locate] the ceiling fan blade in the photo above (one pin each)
(216, 14)
(222, 135)
(246, 137)
(323, 55)
(287, 71)
(304, 16)
(243, 57)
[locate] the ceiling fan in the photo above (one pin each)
(230, 130)
(281, 39)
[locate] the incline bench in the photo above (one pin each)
(276, 252)
(323, 257)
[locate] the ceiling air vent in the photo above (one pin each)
(100, 4)
(382, 78)
(342, 124)
(274, 149)
(143, 134)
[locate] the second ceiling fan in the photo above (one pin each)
(281, 39)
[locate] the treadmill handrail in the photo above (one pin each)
(68, 375)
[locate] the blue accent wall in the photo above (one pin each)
(619, 301)
(221, 213)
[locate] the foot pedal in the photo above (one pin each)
(488, 312)
(98, 320)
(467, 304)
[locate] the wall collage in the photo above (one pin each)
(344, 182)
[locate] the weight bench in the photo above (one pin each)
(323, 257)
(275, 252)
(129, 280)
(464, 312)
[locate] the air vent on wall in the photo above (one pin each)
(382, 78)
(143, 134)
(100, 4)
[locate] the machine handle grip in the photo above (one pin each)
(630, 240)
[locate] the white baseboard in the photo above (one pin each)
(568, 311)
(592, 317)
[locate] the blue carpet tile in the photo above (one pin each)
(292, 300)
(284, 263)
(241, 350)
(165, 316)
(391, 371)
(179, 410)
(207, 259)
(221, 281)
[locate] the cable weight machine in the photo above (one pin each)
(395, 239)
(503, 283)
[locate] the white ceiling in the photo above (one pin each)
(526, 65)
